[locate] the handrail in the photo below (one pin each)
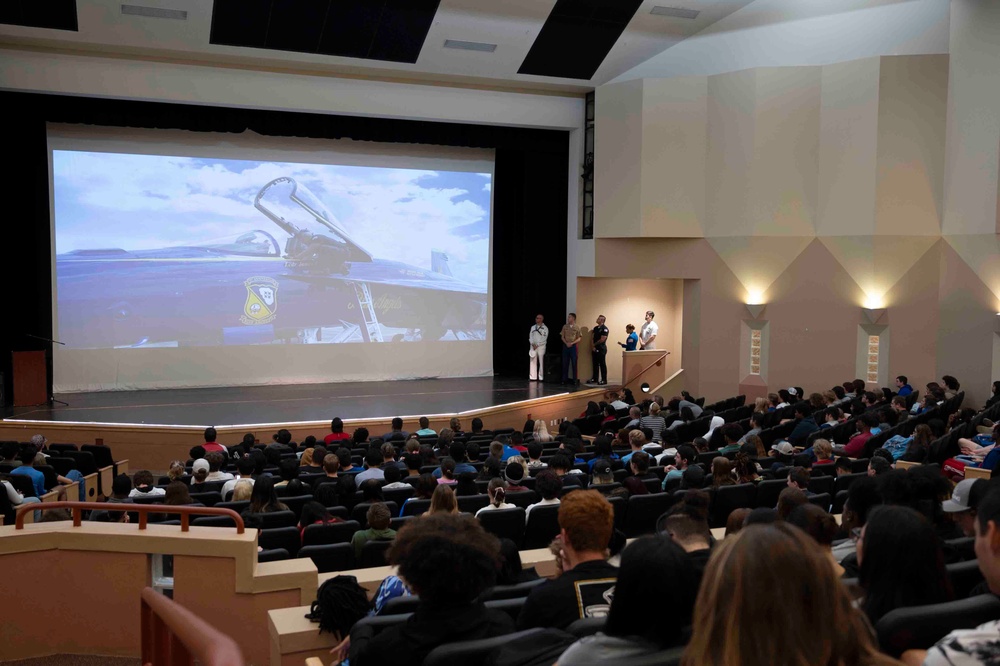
(648, 367)
(143, 510)
(171, 634)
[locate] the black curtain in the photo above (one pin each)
(529, 198)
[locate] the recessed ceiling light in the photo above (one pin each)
(675, 12)
(469, 46)
(154, 12)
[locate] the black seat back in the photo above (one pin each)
(504, 523)
(920, 627)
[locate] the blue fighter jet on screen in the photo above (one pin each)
(320, 287)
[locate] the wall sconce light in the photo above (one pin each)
(873, 315)
(755, 309)
(645, 387)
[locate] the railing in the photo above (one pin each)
(174, 636)
(77, 509)
(629, 380)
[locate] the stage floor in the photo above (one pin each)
(290, 404)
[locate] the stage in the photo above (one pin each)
(150, 428)
(236, 406)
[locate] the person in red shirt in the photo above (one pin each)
(856, 446)
(210, 443)
(337, 433)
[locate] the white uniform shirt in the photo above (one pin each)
(648, 330)
(538, 335)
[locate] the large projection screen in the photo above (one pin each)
(184, 259)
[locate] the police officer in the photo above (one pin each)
(537, 337)
(599, 352)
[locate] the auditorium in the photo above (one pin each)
(276, 268)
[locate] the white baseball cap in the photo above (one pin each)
(959, 497)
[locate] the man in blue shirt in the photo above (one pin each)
(27, 458)
(457, 453)
(902, 387)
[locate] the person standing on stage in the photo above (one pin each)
(537, 337)
(647, 334)
(631, 339)
(570, 338)
(599, 352)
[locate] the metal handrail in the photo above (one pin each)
(143, 510)
(171, 634)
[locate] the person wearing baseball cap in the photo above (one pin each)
(783, 448)
(603, 474)
(964, 500)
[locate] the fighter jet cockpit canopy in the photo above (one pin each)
(300, 213)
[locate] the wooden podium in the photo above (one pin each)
(29, 370)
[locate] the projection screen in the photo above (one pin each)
(183, 259)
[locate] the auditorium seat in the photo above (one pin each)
(398, 495)
(472, 503)
(822, 484)
(964, 576)
(398, 522)
(768, 491)
(642, 512)
(62, 466)
(474, 653)
(207, 498)
(727, 498)
(277, 519)
(504, 523)
(62, 448)
(587, 626)
(373, 553)
(330, 557)
(510, 606)
(296, 503)
(400, 605)
(844, 481)
(823, 500)
(522, 498)
(838, 502)
(238, 507)
(318, 535)
(415, 507)
(542, 526)
(920, 627)
(280, 537)
(102, 454)
(213, 521)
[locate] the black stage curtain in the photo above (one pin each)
(529, 203)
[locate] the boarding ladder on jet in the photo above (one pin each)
(373, 332)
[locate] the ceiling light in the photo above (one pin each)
(675, 12)
(469, 46)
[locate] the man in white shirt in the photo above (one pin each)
(245, 467)
(537, 337)
(647, 334)
(981, 645)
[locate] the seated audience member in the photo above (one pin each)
(337, 433)
(120, 489)
(753, 569)
(497, 492)
(263, 498)
(176, 494)
(514, 473)
(736, 520)
(639, 466)
(142, 485)
(878, 466)
(373, 459)
(457, 453)
(425, 428)
(963, 505)
(603, 475)
(212, 446)
(442, 501)
(788, 500)
(687, 524)
(176, 470)
(242, 491)
(371, 490)
(722, 472)
(732, 434)
(397, 432)
(798, 477)
(215, 461)
(977, 645)
(199, 475)
(745, 470)
(805, 424)
(331, 468)
(602, 450)
(314, 513)
(466, 486)
(843, 466)
(491, 469)
(424, 489)
(821, 526)
(446, 472)
(716, 423)
(288, 471)
(685, 456)
(654, 422)
(346, 462)
(628, 632)
(378, 528)
(823, 450)
(548, 485)
(636, 440)
(586, 522)
(27, 468)
(414, 461)
(693, 478)
(897, 547)
(563, 468)
(903, 387)
(245, 467)
(856, 445)
(449, 609)
(756, 426)
(392, 477)
(951, 386)
(831, 418)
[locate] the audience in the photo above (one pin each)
(378, 517)
(442, 501)
(548, 486)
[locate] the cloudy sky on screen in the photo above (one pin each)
(144, 202)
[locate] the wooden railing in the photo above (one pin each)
(174, 636)
(77, 509)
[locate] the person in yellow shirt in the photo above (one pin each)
(571, 340)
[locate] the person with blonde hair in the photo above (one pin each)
(776, 575)
(541, 431)
(242, 490)
(442, 501)
(176, 470)
(823, 450)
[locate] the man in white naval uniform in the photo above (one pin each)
(537, 337)
(647, 334)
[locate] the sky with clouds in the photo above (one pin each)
(142, 202)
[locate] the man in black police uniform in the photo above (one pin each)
(599, 352)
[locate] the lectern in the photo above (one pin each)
(30, 371)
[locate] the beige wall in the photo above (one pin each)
(625, 301)
(827, 188)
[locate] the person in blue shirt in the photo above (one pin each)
(457, 453)
(632, 340)
(903, 388)
(27, 459)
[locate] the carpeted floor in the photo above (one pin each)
(75, 660)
